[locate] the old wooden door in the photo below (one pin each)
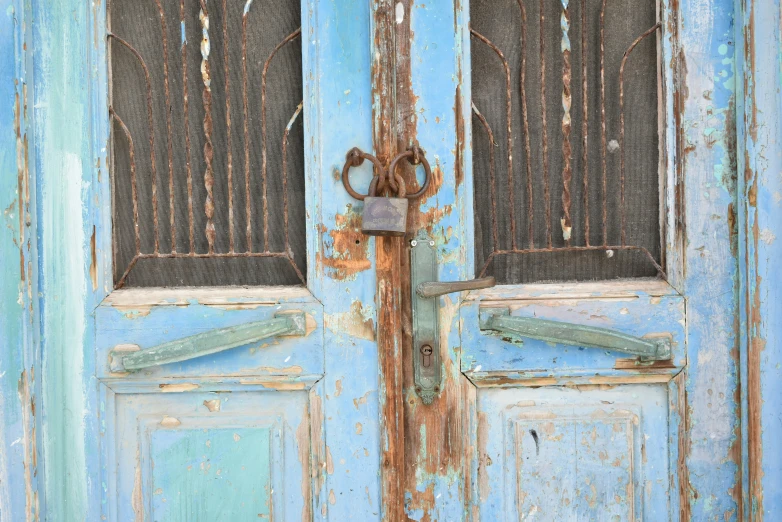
(575, 161)
(212, 336)
(237, 333)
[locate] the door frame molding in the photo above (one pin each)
(759, 137)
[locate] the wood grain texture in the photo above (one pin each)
(19, 380)
(759, 133)
(388, 65)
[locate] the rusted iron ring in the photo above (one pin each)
(412, 155)
(354, 158)
(397, 185)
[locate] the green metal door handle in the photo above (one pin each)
(438, 288)
(128, 358)
(648, 349)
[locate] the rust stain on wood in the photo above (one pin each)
(303, 442)
(459, 155)
(178, 387)
(93, 261)
(347, 250)
(318, 457)
(393, 120)
(27, 402)
(679, 404)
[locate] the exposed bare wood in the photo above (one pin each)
(388, 272)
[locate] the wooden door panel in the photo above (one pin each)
(590, 453)
(168, 315)
(642, 309)
(219, 455)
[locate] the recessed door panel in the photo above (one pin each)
(554, 454)
(222, 455)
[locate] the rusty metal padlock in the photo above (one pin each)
(385, 216)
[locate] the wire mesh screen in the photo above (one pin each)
(565, 139)
(207, 143)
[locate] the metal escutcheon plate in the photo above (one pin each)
(426, 319)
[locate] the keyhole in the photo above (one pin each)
(426, 353)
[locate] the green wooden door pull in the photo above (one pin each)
(648, 349)
(128, 358)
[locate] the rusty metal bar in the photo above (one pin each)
(169, 137)
(525, 122)
(546, 188)
(295, 34)
(585, 120)
(509, 122)
(208, 149)
(629, 50)
(285, 173)
(601, 248)
(493, 188)
(229, 143)
(567, 171)
(133, 189)
(126, 273)
(185, 101)
(151, 129)
(209, 207)
(567, 148)
(603, 139)
(246, 115)
(213, 255)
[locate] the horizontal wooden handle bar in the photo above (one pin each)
(438, 288)
(499, 319)
(213, 341)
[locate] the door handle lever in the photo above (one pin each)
(648, 349)
(426, 314)
(438, 288)
(128, 358)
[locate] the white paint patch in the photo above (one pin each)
(767, 236)
(64, 327)
(400, 12)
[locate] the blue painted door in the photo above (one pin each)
(563, 425)
(596, 380)
(588, 398)
(241, 400)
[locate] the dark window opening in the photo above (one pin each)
(207, 143)
(565, 139)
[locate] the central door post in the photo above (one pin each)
(390, 274)
(417, 101)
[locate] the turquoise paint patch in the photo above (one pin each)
(210, 474)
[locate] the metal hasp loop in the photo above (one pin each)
(648, 349)
(426, 314)
(414, 156)
(356, 157)
(207, 343)
(382, 179)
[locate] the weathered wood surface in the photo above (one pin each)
(759, 121)
(54, 124)
(20, 368)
